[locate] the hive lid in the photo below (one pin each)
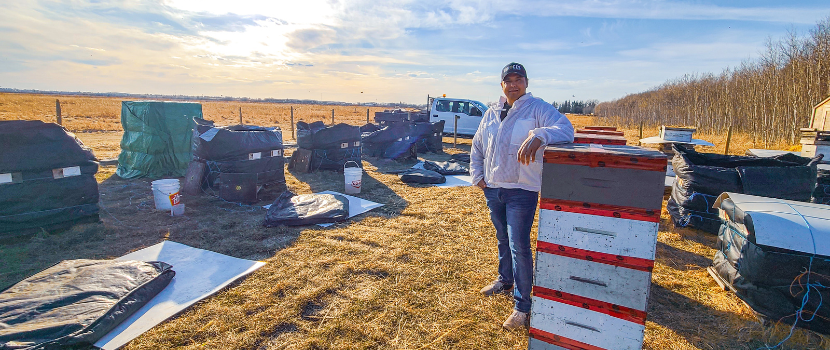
(796, 226)
(612, 156)
(598, 136)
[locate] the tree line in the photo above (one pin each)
(576, 107)
(770, 97)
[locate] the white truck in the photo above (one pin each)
(469, 114)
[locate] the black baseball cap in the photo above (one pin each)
(513, 68)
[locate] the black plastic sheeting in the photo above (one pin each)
(76, 302)
(306, 209)
(450, 167)
(461, 157)
(331, 147)
(369, 128)
(422, 176)
(767, 278)
(821, 194)
(399, 116)
(318, 136)
(701, 177)
(39, 196)
(229, 150)
(429, 137)
(234, 142)
(394, 141)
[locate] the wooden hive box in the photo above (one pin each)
(595, 249)
(600, 132)
(601, 127)
(599, 139)
(821, 116)
(677, 134)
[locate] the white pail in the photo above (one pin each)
(353, 177)
(177, 210)
(166, 193)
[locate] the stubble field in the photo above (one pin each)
(405, 275)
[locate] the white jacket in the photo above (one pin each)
(496, 144)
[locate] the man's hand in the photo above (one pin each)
(527, 152)
(481, 184)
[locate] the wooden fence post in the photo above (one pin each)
(332, 117)
(728, 139)
(240, 115)
(292, 123)
(58, 111)
(367, 116)
(641, 134)
(455, 132)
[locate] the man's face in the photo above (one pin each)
(514, 86)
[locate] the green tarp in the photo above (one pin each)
(157, 138)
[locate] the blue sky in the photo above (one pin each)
(382, 51)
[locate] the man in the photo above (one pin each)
(506, 162)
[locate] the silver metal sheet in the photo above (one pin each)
(797, 226)
(696, 142)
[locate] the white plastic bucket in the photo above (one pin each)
(177, 210)
(166, 193)
(353, 177)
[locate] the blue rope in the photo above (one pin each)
(799, 314)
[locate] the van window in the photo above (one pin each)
(442, 106)
(475, 112)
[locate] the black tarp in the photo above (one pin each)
(771, 280)
(450, 167)
(47, 177)
(429, 137)
(422, 176)
(76, 302)
(461, 157)
(239, 149)
(331, 147)
(388, 117)
(369, 128)
(701, 177)
(821, 194)
(318, 136)
(394, 141)
(233, 142)
(306, 209)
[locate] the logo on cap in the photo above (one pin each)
(513, 67)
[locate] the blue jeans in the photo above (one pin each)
(512, 212)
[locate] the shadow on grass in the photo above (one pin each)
(680, 259)
(371, 189)
(685, 317)
(129, 222)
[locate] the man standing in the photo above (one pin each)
(506, 162)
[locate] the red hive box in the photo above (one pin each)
(595, 250)
(600, 132)
(599, 139)
(598, 127)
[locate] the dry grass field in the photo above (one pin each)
(403, 276)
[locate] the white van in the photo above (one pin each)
(468, 111)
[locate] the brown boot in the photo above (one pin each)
(496, 287)
(516, 320)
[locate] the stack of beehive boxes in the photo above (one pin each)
(604, 135)
(598, 221)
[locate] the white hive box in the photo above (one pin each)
(595, 250)
(676, 134)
